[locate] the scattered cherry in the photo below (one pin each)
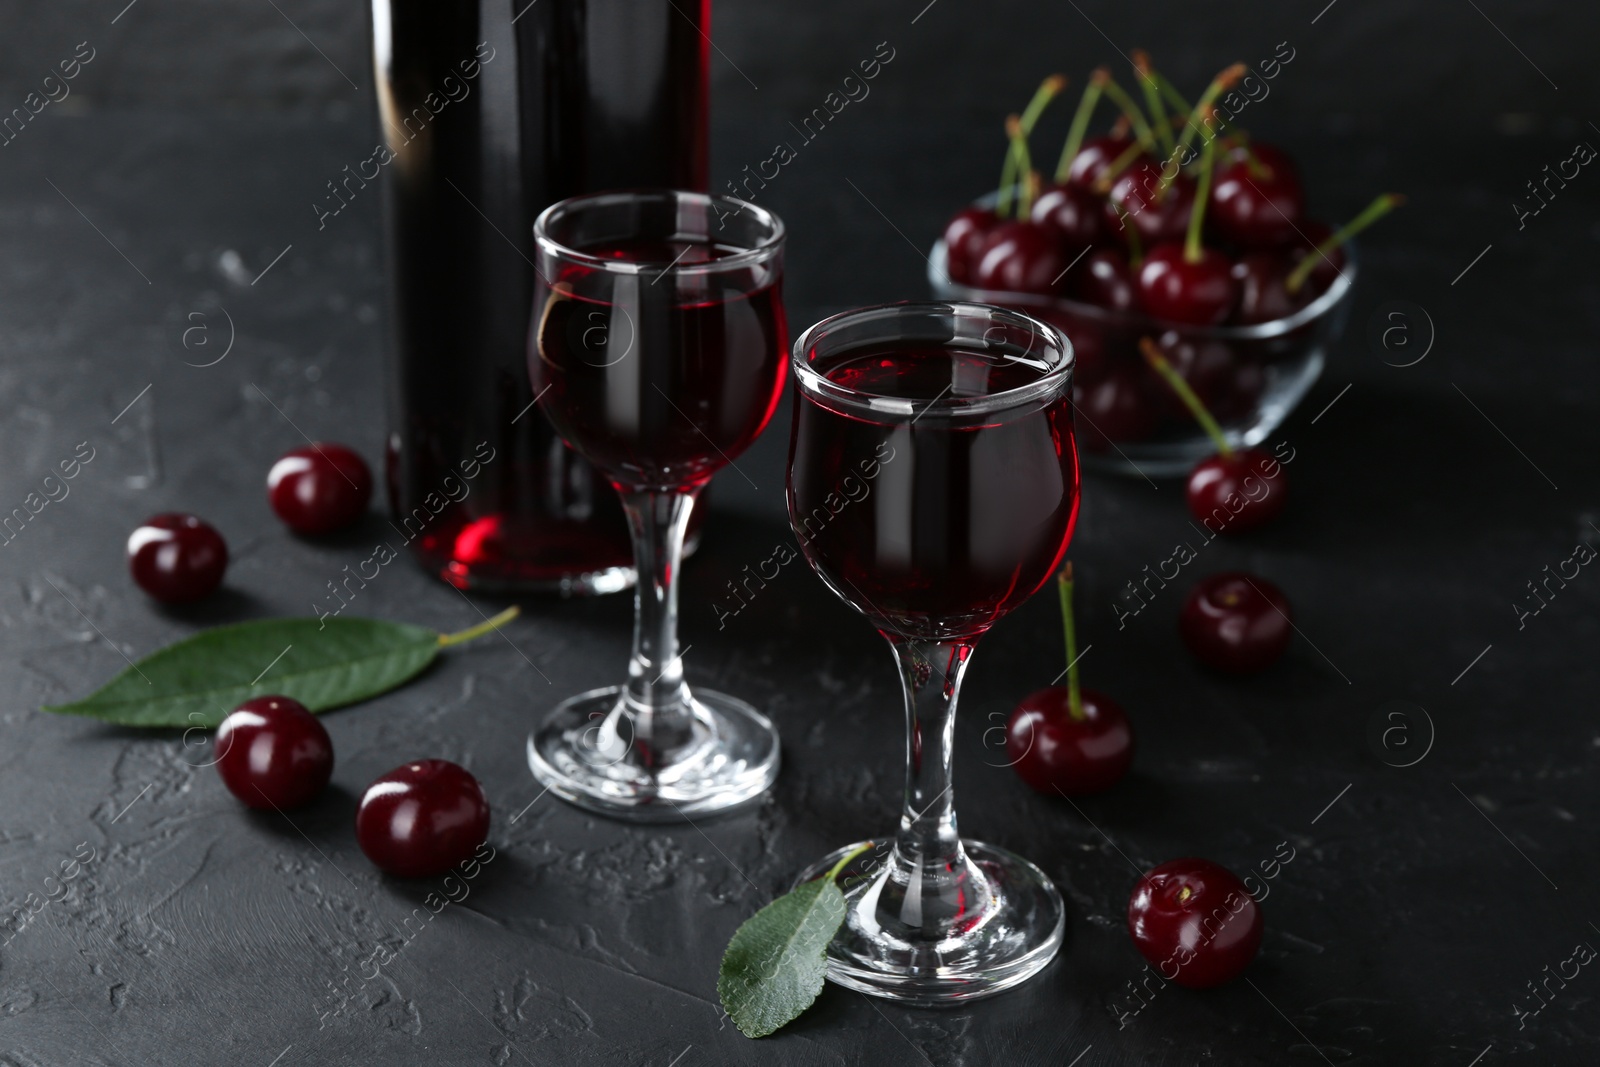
(1065, 739)
(1198, 290)
(319, 489)
(1235, 622)
(273, 753)
(1195, 922)
(177, 558)
(964, 235)
(1257, 204)
(422, 818)
(1237, 491)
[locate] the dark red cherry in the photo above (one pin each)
(177, 558)
(1020, 257)
(1102, 278)
(320, 488)
(1263, 295)
(1116, 409)
(1138, 199)
(1260, 205)
(273, 753)
(1094, 158)
(1238, 492)
(1199, 292)
(1074, 213)
(1195, 922)
(964, 235)
(1053, 751)
(422, 818)
(1236, 623)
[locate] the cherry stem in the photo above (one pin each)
(1130, 110)
(1074, 691)
(1152, 98)
(1203, 108)
(1080, 121)
(486, 626)
(844, 861)
(1202, 192)
(1376, 210)
(1047, 91)
(1024, 168)
(1108, 178)
(1008, 171)
(1135, 247)
(1153, 356)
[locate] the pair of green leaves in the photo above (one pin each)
(323, 663)
(774, 967)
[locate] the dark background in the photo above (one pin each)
(1418, 906)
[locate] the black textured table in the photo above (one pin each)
(1420, 903)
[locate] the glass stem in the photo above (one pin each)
(655, 697)
(929, 864)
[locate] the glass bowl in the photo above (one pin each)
(1255, 374)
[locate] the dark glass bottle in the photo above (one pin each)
(490, 111)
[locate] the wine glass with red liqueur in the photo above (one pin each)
(657, 352)
(933, 485)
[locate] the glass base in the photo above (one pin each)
(1018, 925)
(587, 754)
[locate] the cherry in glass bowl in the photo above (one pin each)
(1250, 376)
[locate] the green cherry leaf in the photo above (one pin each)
(323, 663)
(774, 967)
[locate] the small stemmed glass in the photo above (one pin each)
(933, 485)
(657, 352)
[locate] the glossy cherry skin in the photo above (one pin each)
(177, 558)
(1137, 198)
(1055, 753)
(1094, 158)
(1201, 292)
(1257, 210)
(964, 235)
(1236, 623)
(272, 753)
(1020, 257)
(1115, 409)
(1195, 922)
(320, 488)
(1237, 492)
(1102, 278)
(1074, 213)
(422, 818)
